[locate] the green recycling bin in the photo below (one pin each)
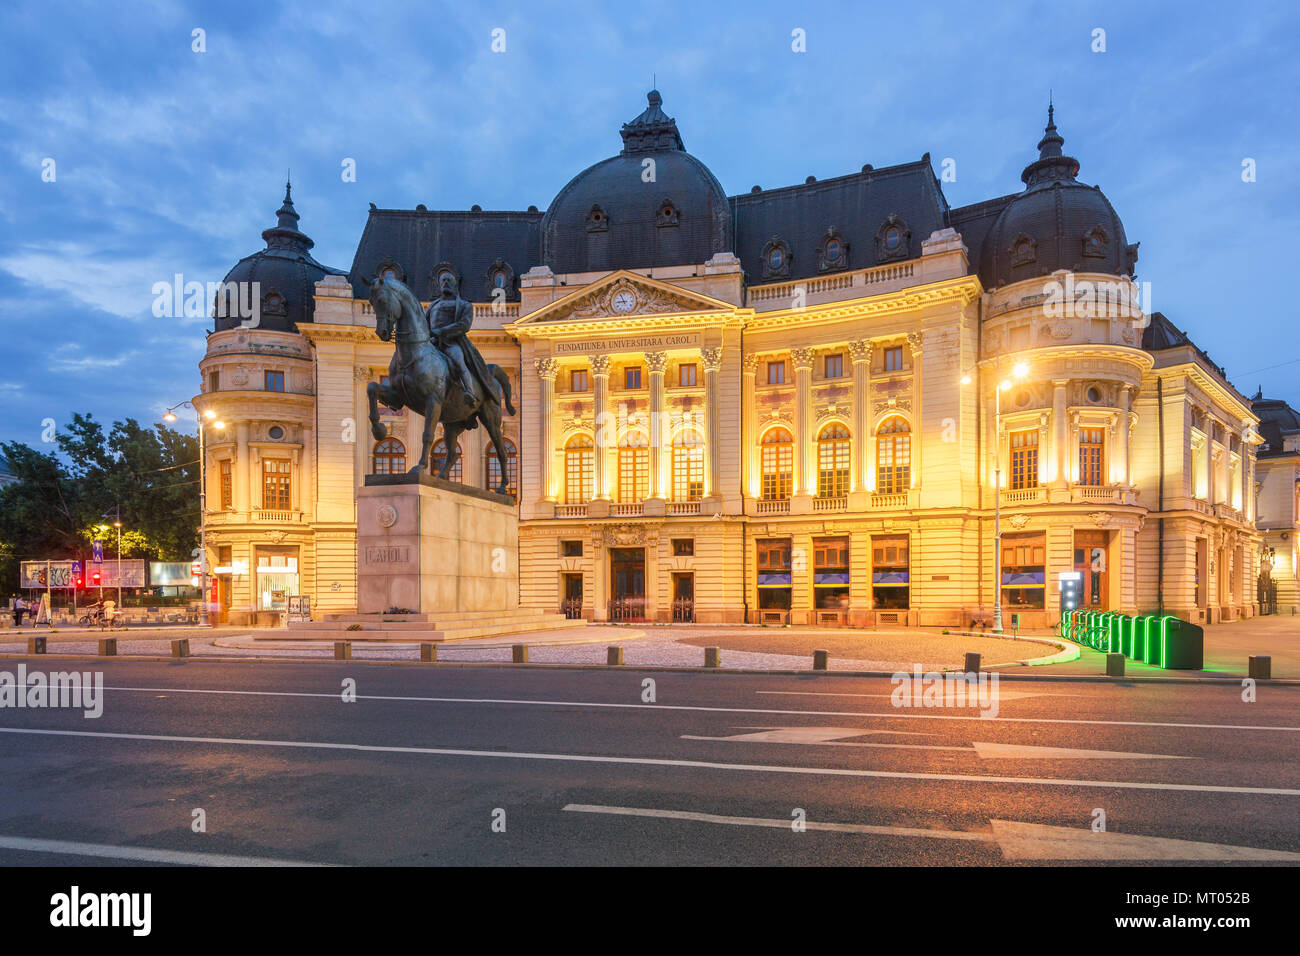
(1182, 644)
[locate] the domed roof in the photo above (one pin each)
(286, 277)
(654, 204)
(1056, 223)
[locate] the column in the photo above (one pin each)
(605, 431)
(863, 445)
(749, 459)
(805, 467)
(546, 369)
(1060, 454)
(712, 358)
(309, 472)
(240, 470)
(656, 427)
(1209, 462)
(1122, 443)
(918, 432)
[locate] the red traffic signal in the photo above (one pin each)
(96, 577)
(80, 583)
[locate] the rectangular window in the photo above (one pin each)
(214, 381)
(778, 470)
(274, 381)
(1024, 459)
(1024, 570)
(835, 366)
(774, 581)
(890, 574)
(688, 472)
(686, 375)
(633, 474)
(277, 484)
(226, 495)
(775, 373)
(1091, 459)
(831, 572)
(683, 547)
(632, 377)
(578, 380)
(894, 359)
(571, 549)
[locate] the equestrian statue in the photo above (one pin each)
(436, 371)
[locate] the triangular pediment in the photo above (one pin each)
(622, 295)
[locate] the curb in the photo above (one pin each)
(655, 668)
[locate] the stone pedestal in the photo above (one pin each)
(435, 547)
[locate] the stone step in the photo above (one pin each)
(432, 617)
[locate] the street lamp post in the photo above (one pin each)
(1019, 371)
(209, 414)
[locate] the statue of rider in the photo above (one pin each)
(450, 318)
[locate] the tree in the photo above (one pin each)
(58, 501)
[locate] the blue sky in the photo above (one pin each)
(168, 160)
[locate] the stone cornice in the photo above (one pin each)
(317, 333)
(965, 290)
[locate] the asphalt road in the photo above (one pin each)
(582, 770)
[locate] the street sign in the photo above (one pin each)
(97, 551)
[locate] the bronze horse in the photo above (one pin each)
(420, 378)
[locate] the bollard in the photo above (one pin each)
(343, 650)
(181, 647)
(820, 660)
(36, 645)
(428, 652)
(1260, 667)
(614, 654)
(1114, 665)
(108, 647)
(519, 653)
(712, 657)
(972, 663)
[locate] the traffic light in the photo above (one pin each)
(80, 583)
(95, 578)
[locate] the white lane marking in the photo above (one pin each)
(818, 736)
(660, 762)
(780, 824)
(992, 751)
(1035, 841)
(891, 715)
(1017, 841)
(833, 737)
(141, 854)
(1003, 695)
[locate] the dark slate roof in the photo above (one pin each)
(1161, 334)
(420, 240)
(609, 217)
(284, 268)
(975, 221)
(856, 205)
(1277, 420)
(1057, 215)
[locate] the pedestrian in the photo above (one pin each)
(19, 610)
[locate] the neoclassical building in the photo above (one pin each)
(803, 405)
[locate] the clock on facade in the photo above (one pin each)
(624, 302)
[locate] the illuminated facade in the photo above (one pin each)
(771, 407)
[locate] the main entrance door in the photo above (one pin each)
(627, 584)
(1090, 559)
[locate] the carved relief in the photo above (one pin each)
(546, 368)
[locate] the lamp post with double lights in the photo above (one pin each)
(210, 417)
(1019, 371)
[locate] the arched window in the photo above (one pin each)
(439, 455)
(579, 470)
(833, 447)
(688, 465)
(893, 456)
(492, 467)
(633, 468)
(777, 464)
(390, 457)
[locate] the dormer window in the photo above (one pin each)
(667, 214)
(499, 276)
(390, 268)
(597, 221)
(776, 259)
(1096, 243)
(273, 304)
(834, 252)
(1024, 250)
(893, 240)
